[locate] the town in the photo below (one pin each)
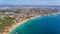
(13, 15)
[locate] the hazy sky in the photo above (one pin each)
(30, 2)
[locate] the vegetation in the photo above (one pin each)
(5, 22)
(8, 16)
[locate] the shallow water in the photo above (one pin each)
(40, 25)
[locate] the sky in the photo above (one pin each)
(30, 2)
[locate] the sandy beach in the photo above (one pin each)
(17, 24)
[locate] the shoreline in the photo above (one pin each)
(19, 23)
(16, 25)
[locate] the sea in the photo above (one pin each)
(40, 25)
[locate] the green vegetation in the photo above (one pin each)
(5, 22)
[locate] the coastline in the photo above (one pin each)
(16, 25)
(21, 22)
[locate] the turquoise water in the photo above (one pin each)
(40, 25)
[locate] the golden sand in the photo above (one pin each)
(17, 24)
